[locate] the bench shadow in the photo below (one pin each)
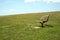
(47, 25)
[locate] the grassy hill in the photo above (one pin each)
(21, 27)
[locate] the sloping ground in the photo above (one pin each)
(21, 27)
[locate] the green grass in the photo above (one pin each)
(21, 27)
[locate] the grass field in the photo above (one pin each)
(21, 27)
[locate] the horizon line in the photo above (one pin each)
(29, 13)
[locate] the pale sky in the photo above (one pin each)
(8, 7)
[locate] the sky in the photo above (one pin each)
(8, 7)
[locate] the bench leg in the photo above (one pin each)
(42, 25)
